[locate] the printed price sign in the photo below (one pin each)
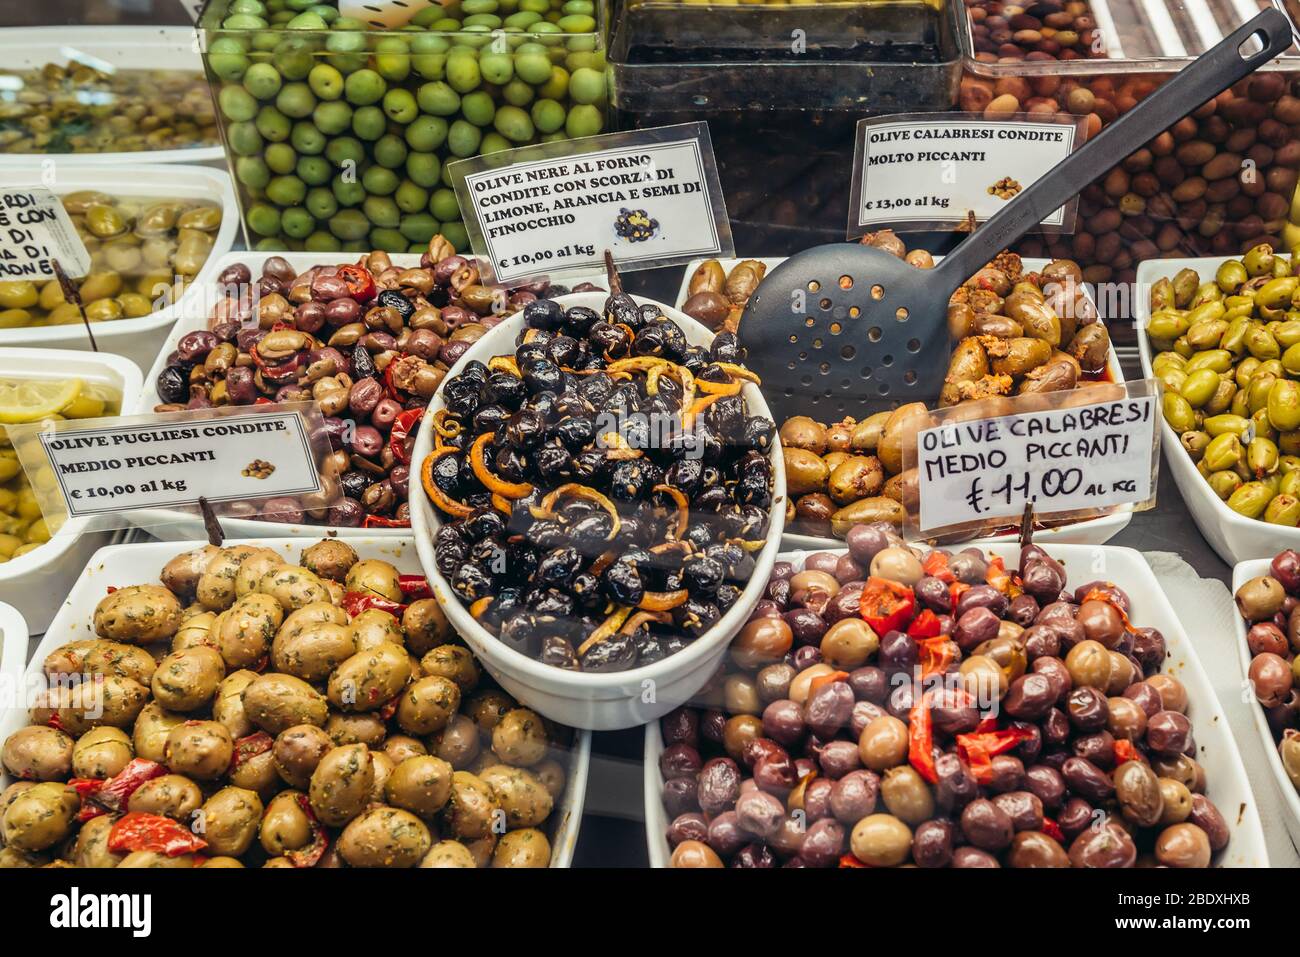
(651, 197)
(1072, 454)
(930, 171)
(113, 466)
(35, 229)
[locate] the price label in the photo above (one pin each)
(651, 197)
(98, 467)
(35, 230)
(1069, 454)
(934, 171)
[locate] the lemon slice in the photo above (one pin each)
(24, 401)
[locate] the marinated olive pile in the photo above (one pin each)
(606, 485)
(1041, 30)
(143, 253)
(22, 526)
(251, 712)
(75, 108)
(718, 298)
(886, 708)
(339, 135)
(1268, 605)
(1226, 350)
(1017, 332)
(369, 342)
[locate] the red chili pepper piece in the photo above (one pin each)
(848, 860)
(414, 587)
(311, 854)
(924, 625)
(979, 750)
(249, 747)
(152, 832)
(936, 566)
(400, 432)
(117, 789)
(361, 285)
(887, 605)
(1053, 830)
(920, 739)
(1125, 750)
(997, 575)
(355, 602)
(378, 521)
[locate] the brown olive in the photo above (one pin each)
(906, 795)
(801, 432)
(1036, 849)
(695, 854)
(883, 743)
(1260, 598)
(1173, 696)
(849, 643)
(1183, 845)
(761, 642)
(881, 840)
(1177, 801)
(1139, 793)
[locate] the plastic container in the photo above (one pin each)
(1093, 531)
(1217, 752)
(136, 339)
(121, 47)
(339, 138)
(1191, 192)
(35, 583)
(599, 701)
(1235, 537)
(120, 565)
(1241, 574)
(782, 88)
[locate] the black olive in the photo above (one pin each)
(489, 418)
(525, 429)
(590, 466)
(725, 348)
(650, 312)
(173, 385)
(575, 432)
(452, 534)
(675, 341)
(709, 443)
(726, 596)
(530, 352)
(520, 632)
(504, 604)
(580, 319)
(551, 602)
(558, 653)
(543, 375)
(557, 567)
(471, 582)
(702, 575)
(543, 404)
(591, 532)
(596, 388)
(395, 300)
(697, 616)
(446, 474)
(511, 464)
(758, 434)
(636, 432)
(649, 341)
(483, 523)
(649, 648)
(685, 474)
(629, 480)
(622, 583)
(585, 589)
(502, 388)
(352, 483)
(727, 418)
(489, 554)
(674, 643)
(615, 653)
(623, 308)
(562, 350)
(466, 478)
(670, 390)
(363, 366)
(543, 314)
(553, 462)
(611, 341)
(694, 359)
(634, 531)
(479, 500)
(556, 290)
(475, 372)
(699, 535)
(547, 534)
(461, 395)
(623, 402)
(712, 499)
(752, 489)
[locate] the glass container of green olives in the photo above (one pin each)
(1227, 349)
(143, 250)
(339, 134)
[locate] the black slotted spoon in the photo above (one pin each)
(873, 329)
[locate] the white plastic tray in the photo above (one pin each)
(1093, 531)
(120, 565)
(128, 47)
(36, 582)
(136, 339)
(1235, 537)
(1228, 786)
(607, 701)
(1241, 574)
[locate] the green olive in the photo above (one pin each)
(105, 221)
(1199, 387)
(1207, 334)
(1186, 283)
(1290, 482)
(1173, 379)
(1289, 750)
(1284, 509)
(1258, 260)
(1284, 405)
(1260, 342)
(1262, 456)
(1222, 399)
(1167, 326)
(1224, 483)
(1251, 499)
(1291, 360)
(1276, 293)
(1220, 360)
(1167, 360)
(1162, 295)
(1245, 369)
(1205, 292)
(1287, 333)
(1195, 443)
(1257, 392)
(1216, 425)
(1234, 337)
(1263, 427)
(1230, 275)
(1222, 452)
(104, 310)
(1178, 412)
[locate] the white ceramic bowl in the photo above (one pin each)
(119, 565)
(179, 526)
(1228, 786)
(1092, 531)
(125, 47)
(36, 582)
(1235, 537)
(1241, 574)
(137, 339)
(601, 702)
(13, 654)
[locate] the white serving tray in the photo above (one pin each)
(1228, 786)
(1241, 574)
(600, 701)
(36, 582)
(136, 339)
(120, 565)
(1235, 537)
(1092, 531)
(127, 47)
